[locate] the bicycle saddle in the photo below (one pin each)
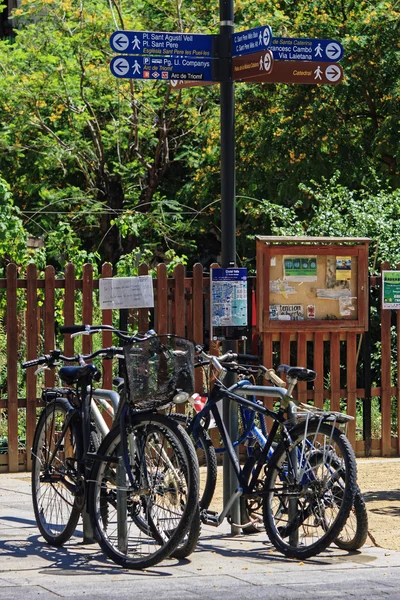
(299, 373)
(71, 375)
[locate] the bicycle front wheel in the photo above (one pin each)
(56, 484)
(355, 531)
(142, 500)
(307, 500)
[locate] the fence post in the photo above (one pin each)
(69, 307)
(49, 330)
(87, 305)
(12, 373)
(162, 300)
(386, 396)
(106, 339)
(31, 353)
(351, 360)
(318, 365)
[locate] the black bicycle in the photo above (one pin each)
(143, 478)
(303, 478)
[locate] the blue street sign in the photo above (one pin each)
(251, 40)
(151, 67)
(306, 49)
(161, 43)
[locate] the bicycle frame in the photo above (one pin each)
(219, 393)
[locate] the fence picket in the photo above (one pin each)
(319, 369)
(107, 339)
(49, 323)
(162, 300)
(69, 307)
(87, 305)
(12, 372)
(386, 396)
(143, 313)
(335, 370)
(31, 353)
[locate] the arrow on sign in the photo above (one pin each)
(121, 66)
(333, 51)
(121, 42)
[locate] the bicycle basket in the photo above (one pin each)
(156, 368)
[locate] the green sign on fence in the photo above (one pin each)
(391, 289)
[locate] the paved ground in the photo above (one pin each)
(223, 567)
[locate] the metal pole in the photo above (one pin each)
(228, 218)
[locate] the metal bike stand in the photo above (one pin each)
(88, 533)
(122, 507)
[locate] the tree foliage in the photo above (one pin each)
(130, 169)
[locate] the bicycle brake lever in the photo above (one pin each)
(40, 369)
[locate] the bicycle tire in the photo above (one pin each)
(318, 515)
(355, 531)
(206, 454)
(56, 491)
(160, 505)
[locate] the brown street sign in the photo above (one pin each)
(178, 84)
(252, 65)
(303, 72)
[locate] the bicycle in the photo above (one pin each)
(63, 463)
(189, 541)
(305, 499)
(61, 445)
(355, 531)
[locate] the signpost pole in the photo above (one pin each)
(228, 218)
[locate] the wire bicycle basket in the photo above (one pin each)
(157, 368)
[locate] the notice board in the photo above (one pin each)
(315, 282)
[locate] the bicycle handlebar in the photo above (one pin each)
(75, 330)
(50, 359)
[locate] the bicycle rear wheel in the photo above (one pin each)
(307, 501)
(56, 483)
(140, 516)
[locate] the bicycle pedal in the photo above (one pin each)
(210, 517)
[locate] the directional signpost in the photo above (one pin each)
(253, 55)
(252, 65)
(251, 40)
(252, 68)
(164, 68)
(306, 49)
(161, 43)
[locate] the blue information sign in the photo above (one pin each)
(150, 67)
(306, 49)
(228, 297)
(161, 43)
(251, 40)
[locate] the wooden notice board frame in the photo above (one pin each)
(313, 300)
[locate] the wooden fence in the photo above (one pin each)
(342, 360)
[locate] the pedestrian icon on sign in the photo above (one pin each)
(136, 43)
(136, 67)
(318, 73)
(318, 51)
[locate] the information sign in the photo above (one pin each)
(252, 65)
(391, 289)
(306, 72)
(306, 49)
(126, 292)
(162, 43)
(251, 40)
(228, 297)
(149, 67)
